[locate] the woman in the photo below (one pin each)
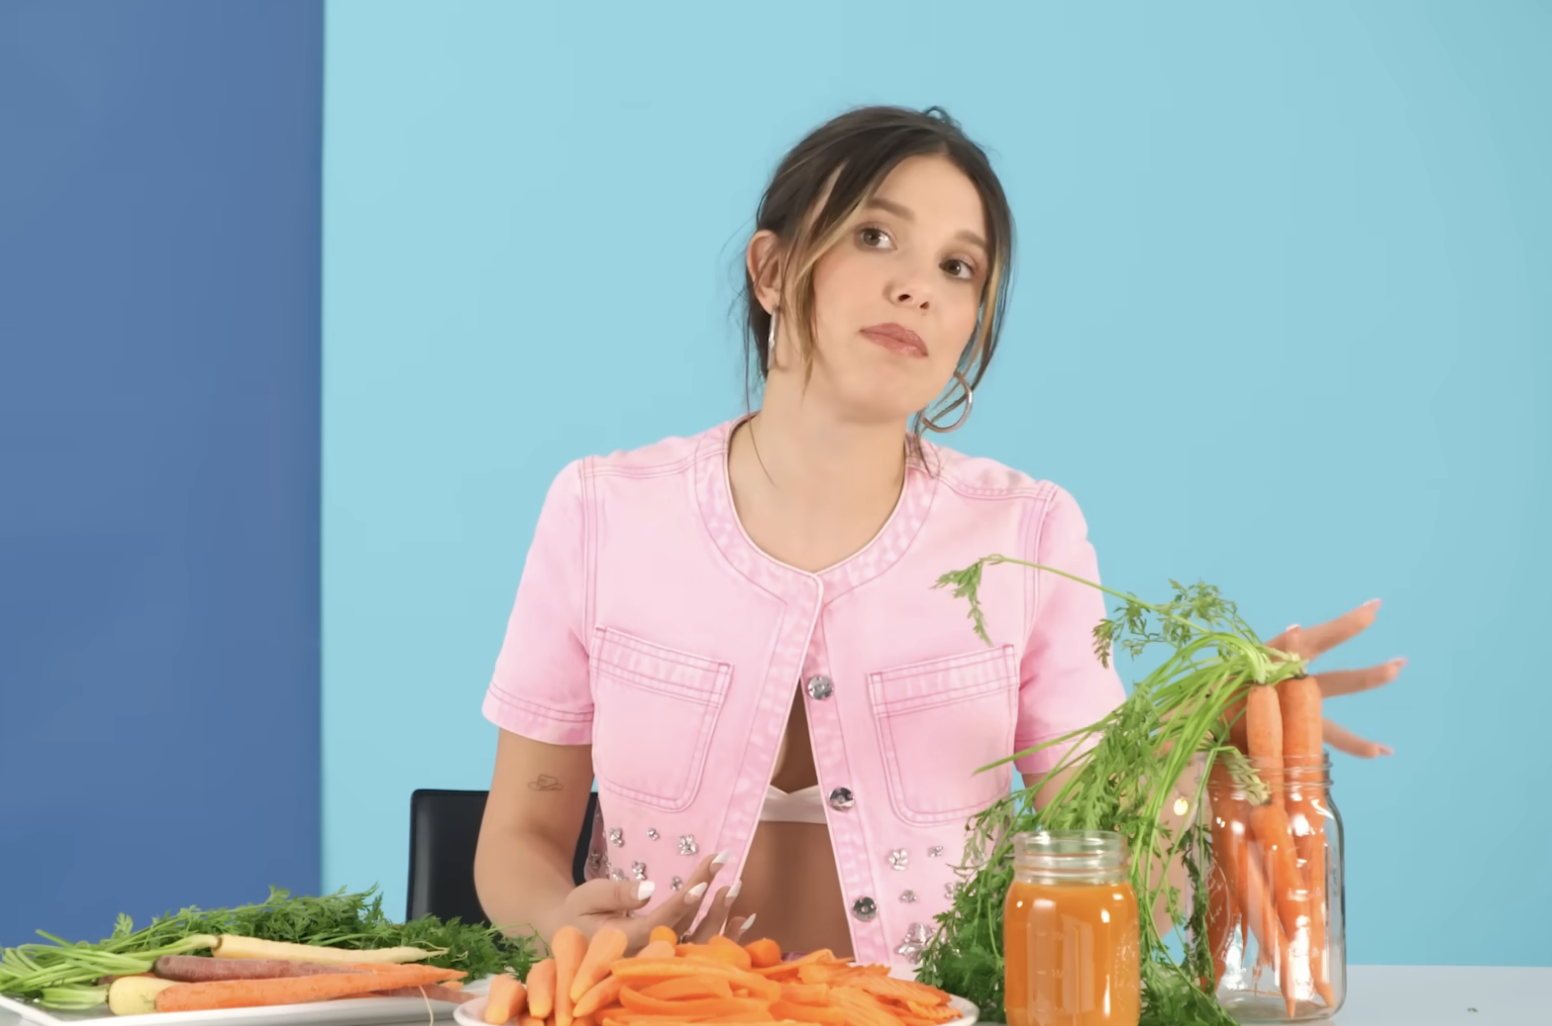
(736, 633)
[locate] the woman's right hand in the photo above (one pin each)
(600, 903)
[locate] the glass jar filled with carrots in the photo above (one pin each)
(1070, 932)
(1274, 884)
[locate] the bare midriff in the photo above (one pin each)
(790, 880)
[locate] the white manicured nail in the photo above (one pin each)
(747, 924)
(696, 891)
(733, 890)
(645, 890)
(722, 857)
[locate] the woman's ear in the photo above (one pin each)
(763, 262)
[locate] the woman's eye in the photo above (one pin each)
(873, 237)
(959, 269)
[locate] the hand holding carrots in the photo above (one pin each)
(609, 904)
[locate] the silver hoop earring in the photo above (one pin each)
(931, 425)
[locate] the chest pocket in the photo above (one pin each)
(654, 712)
(938, 721)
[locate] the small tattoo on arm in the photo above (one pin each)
(545, 783)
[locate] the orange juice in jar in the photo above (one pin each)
(1071, 939)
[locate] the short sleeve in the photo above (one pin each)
(540, 685)
(1063, 687)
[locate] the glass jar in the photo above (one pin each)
(1070, 932)
(1276, 850)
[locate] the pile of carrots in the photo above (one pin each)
(592, 983)
(1269, 859)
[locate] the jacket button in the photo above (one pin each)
(864, 909)
(820, 687)
(842, 799)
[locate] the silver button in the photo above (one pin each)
(842, 799)
(864, 909)
(820, 687)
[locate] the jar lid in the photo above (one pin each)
(1075, 851)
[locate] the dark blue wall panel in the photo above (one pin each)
(159, 449)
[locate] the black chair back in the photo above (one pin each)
(444, 832)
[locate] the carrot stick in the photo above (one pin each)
(1304, 754)
(606, 948)
(700, 1008)
(200, 997)
(690, 987)
(541, 989)
(570, 948)
(663, 933)
(507, 998)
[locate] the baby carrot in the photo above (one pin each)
(606, 948)
(541, 989)
(570, 949)
(507, 998)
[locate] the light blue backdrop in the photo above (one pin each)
(1283, 279)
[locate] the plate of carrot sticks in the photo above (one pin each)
(593, 983)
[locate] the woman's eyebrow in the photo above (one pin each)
(905, 214)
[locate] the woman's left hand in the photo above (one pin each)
(1309, 643)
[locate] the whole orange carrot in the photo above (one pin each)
(1264, 735)
(1304, 755)
(199, 997)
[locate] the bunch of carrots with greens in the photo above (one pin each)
(288, 944)
(666, 983)
(1223, 705)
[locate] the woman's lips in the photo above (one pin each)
(896, 338)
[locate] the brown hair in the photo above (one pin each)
(842, 163)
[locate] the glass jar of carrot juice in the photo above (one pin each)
(1274, 884)
(1070, 932)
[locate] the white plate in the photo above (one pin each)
(338, 1012)
(471, 1013)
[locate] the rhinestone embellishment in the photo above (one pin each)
(864, 909)
(639, 870)
(909, 897)
(617, 874)
(950, 891)
(687, 844)
(936, 851)
(617, 837)
(652, 834)
(676, 884)
(597, 864)
(899, 859)
(915, 939)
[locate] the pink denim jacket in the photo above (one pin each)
(648, 625)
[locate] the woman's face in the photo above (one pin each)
(896, 300)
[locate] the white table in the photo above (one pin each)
(1426, 995)
(1412, 995)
